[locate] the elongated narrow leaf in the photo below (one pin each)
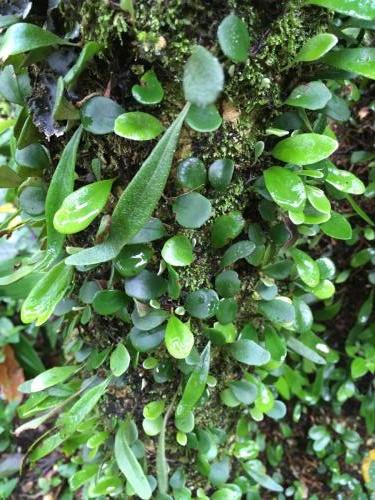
(139, 199)
(305, 351)
(195, 385)
(87, 53)
(23, 37)
(46, 294)
(49, 378)
(363, 9)
(81, 408)
(358, 60)
(61, 186)
(129, 465)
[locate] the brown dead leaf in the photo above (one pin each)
(11, 376)
(230, 113)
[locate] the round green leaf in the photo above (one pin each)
(145, 286)
(307, 268)
(337, 227)
(150, 91)
(205, 119)
(192, 210)
(191, 173)
(119, 360)
(249, 352)
(107, 302)
(99, 113)
(316, 47)
(312, 95)
(145, 341)
(203, 77)
(225, 228)
(179, 340)
(234, 38)
(178, 251)
(202, 303)
(285, 187)
(278, 310)
(227, 283)
(81, 207)
(304, 149)
(220, 173)
(32, 200)
(132, 260)
(237, 251)
(138, 126)
(324, 290)
(32, 160)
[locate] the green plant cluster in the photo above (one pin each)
(189, 322)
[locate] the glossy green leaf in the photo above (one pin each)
(60, 187)
(205, 119)
(324, 290)
(337, 227)
(179, 340)
(305, 351)
(107, 302)
(150, 320)
(144, 341)
(191, 173)
(192, 210)
(119, 360)
(47, 379)
(44, 297)
(178, 251)
(278, 310)
(138, 126)
(81, 207)
(256, 471)
(152, 230)
(138, 201)
(307, 268)
(89, 50)
(220, 173)
(99, 114)
(358, 60)
(150, 90)
(14, 87)
(316, 47)
(32, 160)
(227, 283)
(132, 260)
(32, 200)
(225, 228)
(234, 38)
(312, 95)
(145, 286)
(362, 9)
(202, 303)
(129, 465)
(237, 251)
(195, 385)
(318, 199)
(203, 77)
(249, 352)
(285, 187)
(344, 181)
(23, 37)
(304, 149)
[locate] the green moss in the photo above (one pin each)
(102, 23)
